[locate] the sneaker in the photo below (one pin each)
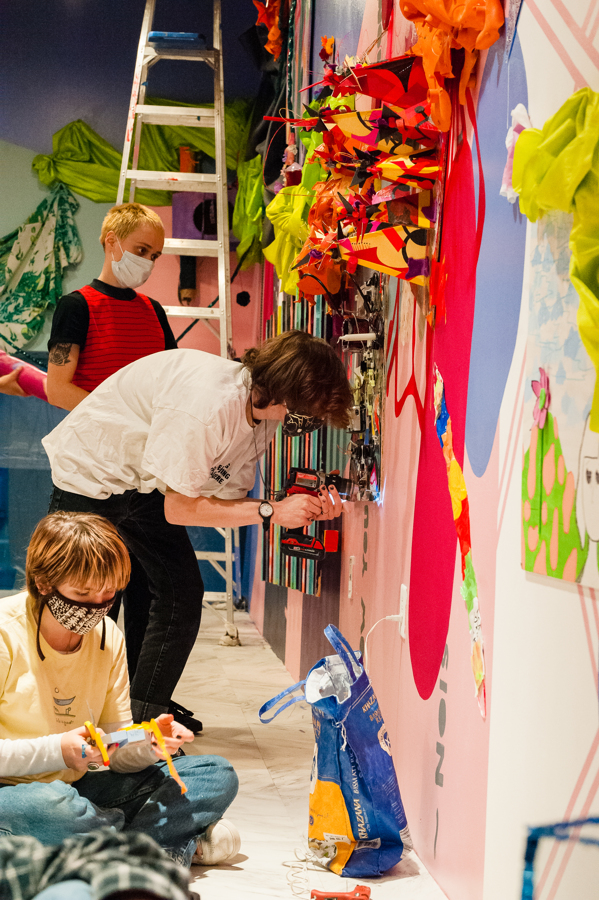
(220, 842)
(185, 717)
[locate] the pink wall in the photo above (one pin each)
(162, 286)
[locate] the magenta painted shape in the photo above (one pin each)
(434, 541)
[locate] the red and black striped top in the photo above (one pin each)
(112, 327)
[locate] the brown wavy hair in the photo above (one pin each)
(81, 548)
(302, 371)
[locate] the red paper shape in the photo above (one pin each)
(434, 541)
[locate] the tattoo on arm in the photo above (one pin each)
(59, 354)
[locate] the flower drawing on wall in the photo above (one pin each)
(541, 391)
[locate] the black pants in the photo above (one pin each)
(163, 601)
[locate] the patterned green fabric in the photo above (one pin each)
(32, 259)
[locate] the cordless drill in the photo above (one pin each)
(308, 481)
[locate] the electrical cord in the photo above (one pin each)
(297, 878)
(384, 619)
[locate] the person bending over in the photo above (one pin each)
(172, 440)
(62, 662)
(108, 324)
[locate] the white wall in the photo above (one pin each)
(543, 757)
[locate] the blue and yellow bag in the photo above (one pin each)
(357, 823)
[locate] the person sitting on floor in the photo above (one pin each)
(62, 662)
(101, 865)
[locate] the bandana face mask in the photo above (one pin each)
(295, 424)
(74, 615)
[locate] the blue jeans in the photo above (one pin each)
(163, 600)
(149, 801)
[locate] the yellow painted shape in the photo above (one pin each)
(457, 487)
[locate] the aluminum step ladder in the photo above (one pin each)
(154, 47)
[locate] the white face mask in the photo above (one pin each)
(131, 271)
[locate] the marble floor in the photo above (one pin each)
(226, 686)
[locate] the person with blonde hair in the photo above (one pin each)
(108, 324)
(62, 663)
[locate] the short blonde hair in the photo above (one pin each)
(124, 219)
(81, 548)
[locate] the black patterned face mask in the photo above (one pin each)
(75, 615)
(294, 424)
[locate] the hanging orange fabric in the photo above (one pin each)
(446, 25)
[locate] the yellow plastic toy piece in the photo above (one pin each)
(151, 726)
(96, 740)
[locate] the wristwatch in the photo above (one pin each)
(266, 511)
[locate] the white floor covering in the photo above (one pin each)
(226, 686)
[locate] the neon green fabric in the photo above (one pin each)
(90, 166)
(289, 210)
(558, 168)
(288, 213)
(249, 211)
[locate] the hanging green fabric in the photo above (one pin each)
(249, 211)
(289, 210)
(558, 168)
(288, 213)
(32, 260)
(90, 166)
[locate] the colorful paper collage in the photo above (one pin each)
(396, 250)
(379, 162)
(461, 518)
(443, 27)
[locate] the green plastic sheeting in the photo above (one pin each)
(32, 259)
(558, 168)
(90, 166)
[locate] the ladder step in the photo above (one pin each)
(176, 115)
(172, 36)
(175, 181)
(187, 247)
(215, 597)
(153, 52)
(209, 554)
(194, 312)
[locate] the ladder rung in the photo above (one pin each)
(174, 181)
(194, 312)
(214, 597)
(211, 555)
(155, 52)
(176, 115)
(187, 247)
